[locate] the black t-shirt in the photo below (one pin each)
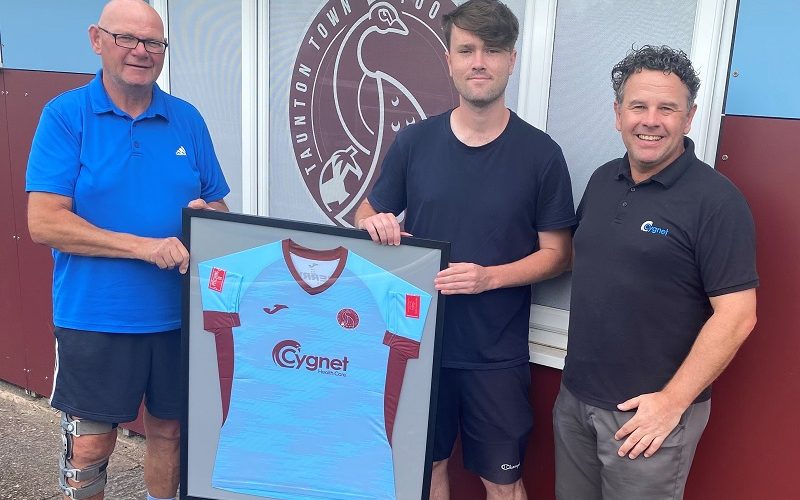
(647, 258)
(489, 202)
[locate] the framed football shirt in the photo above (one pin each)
(313, 332)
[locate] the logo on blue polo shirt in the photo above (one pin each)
(648, 227)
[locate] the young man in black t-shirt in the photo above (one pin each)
(499, 191)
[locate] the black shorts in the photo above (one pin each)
(103, 376)
(491, 410)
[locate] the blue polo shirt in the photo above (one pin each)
(124, 175)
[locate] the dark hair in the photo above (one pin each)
(490, 20)
(661, 58)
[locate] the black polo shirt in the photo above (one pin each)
(647, 258)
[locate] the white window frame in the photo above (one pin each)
(162, 7)
(711, 48)
(255, 107)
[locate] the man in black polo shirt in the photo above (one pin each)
(663, 295)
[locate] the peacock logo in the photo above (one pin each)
(365, 70)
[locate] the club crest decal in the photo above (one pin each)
(364, 71)
(347, 318)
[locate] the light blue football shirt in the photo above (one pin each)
(319, 357)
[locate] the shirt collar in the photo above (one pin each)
(670, 174)
(102, 103)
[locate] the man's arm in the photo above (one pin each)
(52, 222)
(658, 413)
(382, 227)
(552, 258)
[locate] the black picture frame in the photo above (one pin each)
(211, 235)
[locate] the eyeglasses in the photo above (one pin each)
(131, 42)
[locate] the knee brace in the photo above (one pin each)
(93, 477)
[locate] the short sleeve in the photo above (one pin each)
(408, 308)
(54, 162)
(555, 208)
(224, 280)
(220, 289)
(213, 186)
(389, 192)
(403, 306)
(725, 250)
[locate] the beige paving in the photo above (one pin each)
(30, 444)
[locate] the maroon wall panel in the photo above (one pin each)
(27, 93)
(12, 347)
(750, 449)
(539, 471)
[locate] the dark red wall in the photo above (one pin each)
(751, 449)
(27, 336)
(12, 349)
(27, 93)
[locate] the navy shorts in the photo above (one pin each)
(104, 376)
(491, 410)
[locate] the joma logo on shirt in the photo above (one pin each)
(286, 354)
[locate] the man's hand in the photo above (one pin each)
(383, 228)
(463, 278)
(166, 253)
(200, 204)
(655, 417)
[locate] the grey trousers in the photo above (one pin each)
(587, 464)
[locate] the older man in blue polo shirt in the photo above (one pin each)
(663, 295)
(111, 165)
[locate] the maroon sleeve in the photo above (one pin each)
(401, 350)
(221, 324)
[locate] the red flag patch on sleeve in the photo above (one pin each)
(217, 279)
(412, 306)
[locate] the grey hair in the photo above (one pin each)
(663, 58)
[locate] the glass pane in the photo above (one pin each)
(590, 37)
(205, 49)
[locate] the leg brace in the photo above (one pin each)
(95, 475)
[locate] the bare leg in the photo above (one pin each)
(162, 456)
(513, 491)
(440, 482)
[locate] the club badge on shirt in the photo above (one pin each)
(217, 279)
(412, 306)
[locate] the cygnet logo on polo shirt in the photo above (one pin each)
(286, 354)
(648, 227)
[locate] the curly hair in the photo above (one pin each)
(490, 20)
(661, 58)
